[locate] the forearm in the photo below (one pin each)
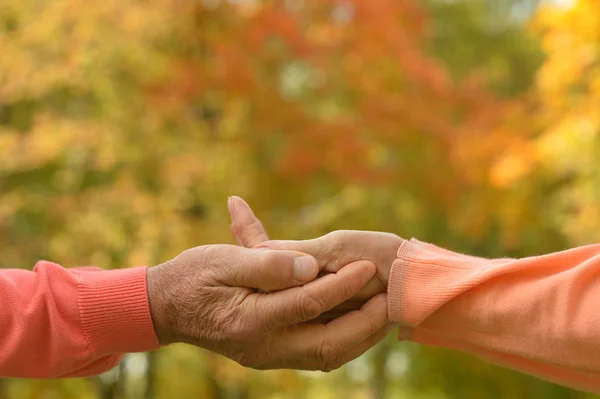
(58, 322)
(587, 381)
(538, 315)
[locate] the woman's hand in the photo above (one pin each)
(333, 251)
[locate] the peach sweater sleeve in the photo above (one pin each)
(539, 315)
(57, 322)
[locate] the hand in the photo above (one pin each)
(333, 251)
(208, 296)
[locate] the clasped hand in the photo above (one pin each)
(311, 305)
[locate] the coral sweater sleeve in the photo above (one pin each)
(57, 322)
(539, 315)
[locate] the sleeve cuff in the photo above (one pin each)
(396, 280)
(115, 313)
(424, 277)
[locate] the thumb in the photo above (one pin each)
(273, 270)
(245, 226)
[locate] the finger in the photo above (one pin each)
(373, 287)
(343, 308)
(315, 247)
(245, 226)
(327, 317)
(315, 364)
(339, 311)
(338, 248)
(305, 303)
(332, 342)
(268, 270)
(330, 251)
(364, 346)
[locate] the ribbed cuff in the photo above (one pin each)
(424, 278)
(396, 281)
(115, 313)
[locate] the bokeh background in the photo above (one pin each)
(125, 125)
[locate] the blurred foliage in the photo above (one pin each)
(124, 126)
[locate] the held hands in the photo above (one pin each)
(213, 297)
(333, 251)
(264, 307)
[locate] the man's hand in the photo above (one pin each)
(333, 251)
(209, 296)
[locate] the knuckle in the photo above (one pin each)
(348, 291)
(338, 236)
(236, 229)
(252, 233)
(323, 245)
(329, 367)
(309, 307)
(256, 228)
(329, 354)
(334, 245)
(248, 359)
(254, 357)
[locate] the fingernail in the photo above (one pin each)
(305, 268)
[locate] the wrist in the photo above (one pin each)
(160, 306)
(392, 246)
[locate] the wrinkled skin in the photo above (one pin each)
(216, 297)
